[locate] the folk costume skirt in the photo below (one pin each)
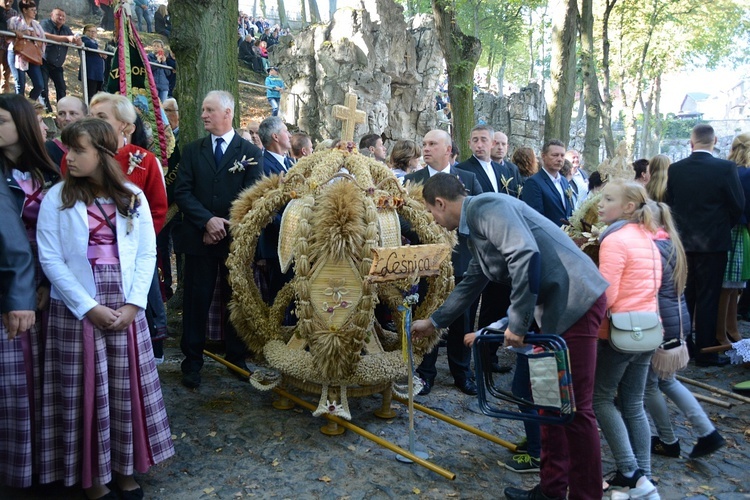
(20, 399)
(102, 409)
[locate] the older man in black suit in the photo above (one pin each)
(210, 177)
(436, 151)
(707, 200)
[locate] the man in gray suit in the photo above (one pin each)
(553, 282)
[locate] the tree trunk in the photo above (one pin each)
(315, 12)
(658, 123)
(303, 12)
(562, 72)
(644, 146)
(263, 7)
(282, 14)
(255, 8)
(461, 53)
(609, 139)
(204, 35)
(490, 68)
(592, 139)
(531, 45)
(331, 8)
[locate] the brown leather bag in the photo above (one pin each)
(29, 50)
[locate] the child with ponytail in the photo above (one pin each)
(630, 262)
(672, 355)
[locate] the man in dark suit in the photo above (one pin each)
(436, 151)
(547, 191)
(707, 200)
(494, 177)
(498, 177)
(276, 141)
(508, 169)
(17, 289)
(210, 177)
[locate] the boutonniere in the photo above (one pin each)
(569, 193)
(135, 161)
(135, 202)
(240, 165)
(505, 182)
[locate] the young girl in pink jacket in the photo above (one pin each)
(630, 261)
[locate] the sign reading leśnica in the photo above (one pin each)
(394, 263)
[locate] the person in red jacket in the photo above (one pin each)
(141, 168)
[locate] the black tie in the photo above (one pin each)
(218, 153)
(287, 163)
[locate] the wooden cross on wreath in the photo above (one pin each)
(350, 115)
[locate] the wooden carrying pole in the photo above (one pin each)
(707, 399)
(459, 424)
(344, 423)
(713, 389)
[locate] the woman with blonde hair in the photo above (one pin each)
(657, 177)
(162, 22)
(630, 261)
(737, 270)
(405, 157)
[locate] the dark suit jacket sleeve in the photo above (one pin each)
(17, 289)
(735, 196)
(476, 188)
(532, 194)
(193, 211)
(255, 172)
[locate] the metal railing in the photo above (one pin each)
(83, 51)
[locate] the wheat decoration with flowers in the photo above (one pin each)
(337, 206)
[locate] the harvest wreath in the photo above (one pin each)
(338, 205)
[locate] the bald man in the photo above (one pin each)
(69, 109)
(436, 151)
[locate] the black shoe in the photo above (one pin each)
(191, 380)
(426, 388)
(659, 447)
(496, 368)
(717, 360)
(638, 486)
(136, 494)
(708, 444)
(467, 387)
(533, 494)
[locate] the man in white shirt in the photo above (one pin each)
(547, 191)
(579, 175)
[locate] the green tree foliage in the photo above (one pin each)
(654, 37)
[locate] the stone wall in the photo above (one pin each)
(391, 65)
(520, 116)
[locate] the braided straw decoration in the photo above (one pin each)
(260, 325)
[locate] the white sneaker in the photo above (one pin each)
(158, 361)
(644, 490)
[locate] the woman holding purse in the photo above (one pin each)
(20, 65)
(630, 262)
